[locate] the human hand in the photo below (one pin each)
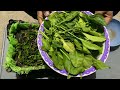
(108, 15)
(41, 15)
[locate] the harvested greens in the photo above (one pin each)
(74, 40)
(23, 54)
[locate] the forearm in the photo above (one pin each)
(40, 17)
(114, 12)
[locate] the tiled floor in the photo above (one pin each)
(5, 16)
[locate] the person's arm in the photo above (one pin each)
(40, 16)
(108, 15)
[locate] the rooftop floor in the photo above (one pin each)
(113, 59)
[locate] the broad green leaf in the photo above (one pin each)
(53, 18)
(95, 33)
(82, 24)
(70, 16)
(98, 64)
(46, 44)
(70, 68)
(68, 46)
(59, 61)
(78, 44)
(77, 70)
(47, 24)
(95, 38)
(67, 64)
(90, 45)
(88, 61)
(85, 50)
(76, 58)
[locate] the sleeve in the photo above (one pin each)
(32, 13)
(115, 12)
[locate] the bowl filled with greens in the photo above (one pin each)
(74, 43)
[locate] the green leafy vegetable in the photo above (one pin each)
(23, 55)
(71, 38)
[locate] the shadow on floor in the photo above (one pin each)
(50, 74)
(114, 48)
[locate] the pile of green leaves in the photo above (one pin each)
(74, 40)
(23, 55)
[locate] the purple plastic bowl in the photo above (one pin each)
(103, 57)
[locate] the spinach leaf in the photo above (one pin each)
(46, 44)
(68, 46)
(76, 58)
(98, 64)
(94, 38)
(78, 44)
(70, 68)
(83, 25)
(92, 32)
(90, 45)
(88, 61)
(58, 60)
(70, 16)
(85, 50)
(47, 24)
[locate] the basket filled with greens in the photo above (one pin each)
(74, 43)
(22, 55)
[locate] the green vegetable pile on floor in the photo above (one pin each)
(23, 55)
(74, 40)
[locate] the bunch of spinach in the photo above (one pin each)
(74, 40)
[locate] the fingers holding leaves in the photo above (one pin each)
(41, 15)
(107, 15)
